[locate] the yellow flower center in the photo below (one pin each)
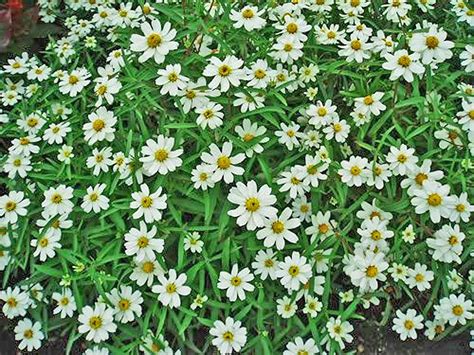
(56, 198)
(453, 240)
(146, 202)
(368, 100)
(458, 310)
(252, 204)
(148, 267)
(235, 281)
(73, 79)
(95, 322)
(124, 304)
(154, 40)
(28, 334)
(292, 28)
(171, 288)
(223, 162)
(161, 155)
(355, 170)
(409, 325)
(142, 242)
(225, 70)
(372, 271)
(434, 200)
(356, 44)
(260, 73)
(420, 178)
(228, 336)
(404, 61)
(376, 235)
(278, 227)
(10, 206)
(432, 42)
(247, 14)
(294, 270)
(98, 124)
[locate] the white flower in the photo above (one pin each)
(433, 198)
(100, 160)
(210, 115)
(337, 129)
(199, 301)
(106, 88)
(462, 209)
(171, 288)
(142, 243)
(74, 82)
(455, 309)
(126, 302)
(370, 103)
(13, 205)
(16, 302)
(294, 271)
(229, 336)
(223, 163)
(286, 308)
(289, 135)
(369, 271)
(401, 63)
(94, 200)
(294, 182)
(265, 264)
(432, 45)
(420, 277)
(407, 323)
(250, 133)
(57, 200)
(158, 156)
(193, 242)
(202, 176)
(277, 230)
(65, 303)
(97, 322)
(224, 73)
(447, 244)
(100, 126)
(148, 205)
(321, 224)
(408, 235)
(467, 58)
(171, 80)
(299, 347)
(145, 271)
(340, 331)
(259, 74)
(419, 175)
(356, 48)
(248, 17)
(236, 283)
(322, 113)
(355, 171)
(157, 41)
(46, 246)
(287, 49)
(29, 334)
(312, 306)
(402, 160)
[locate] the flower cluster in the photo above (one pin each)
(204, 175)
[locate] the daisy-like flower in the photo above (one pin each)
(302, 209)
(28, 334)
(193, 242)
(286, 308)
(57, 200)
(265, 264)
(293, 182)
(312, 306)
(462, 208)
(94, 200)
(16, 302)
(401, 63)
(171, 80)
(142, 243)
(467, 58)
(289, 135)
(127, 303)
(158, 156)
(321, 113)
(210, 115)
(236, 283)
(224, 73)
(339, 331)
(198, 301)
(65, 154)
(294, 26)
(74, 82)
(97, 322)
(356, 48)
(287, 49)
(354, 172)
(370, 103)
(447, 244)
(24, 145)
(100, 160)
(419, 175)
(248, 17)
(299, 346)
(100, 126)
(156, 41)
(433, 198)
(13, 205)
(402, 160)
(408, 234)
(277, 230)
(329, 35)
(337, 129)
(148, 205)
(202, 177)
(420, 277)
(375, 233)
(466, 117)
(259, 74)
(432, 45)
(406, 324)
(229, 336)
(455, 309)
(65, 303)
(369, 271)
(321, 224)
(105, 89)
(223, 163)
(171, 288)
(398, 272)
(249, 132)
(56, 132)
(46, 246)
(145, 272)
(294, 271)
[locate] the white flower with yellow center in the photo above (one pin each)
(13, 205)
(229, 336)
(65, 303)
(156, 42)
(159, 157)
(236, 283)
(28, 334)
(420, 277)
(455, 309)
(339, 331)
(16, 302)
(447, 244)
(142, 243)
(94, 200)
(433, 198)
(224, 73)
(224, 165)
(46, 246)
(277, 230)
(406, 324)
(126, 303)
(432, 45)
(171, 288)
(97, 322)
(402, 63)
(294, 271)
(148, 205)
(354, 172)
(301, 347)
(145, 271)
(248, 17)
(210, 115)
(171, 80)
(265, 264)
